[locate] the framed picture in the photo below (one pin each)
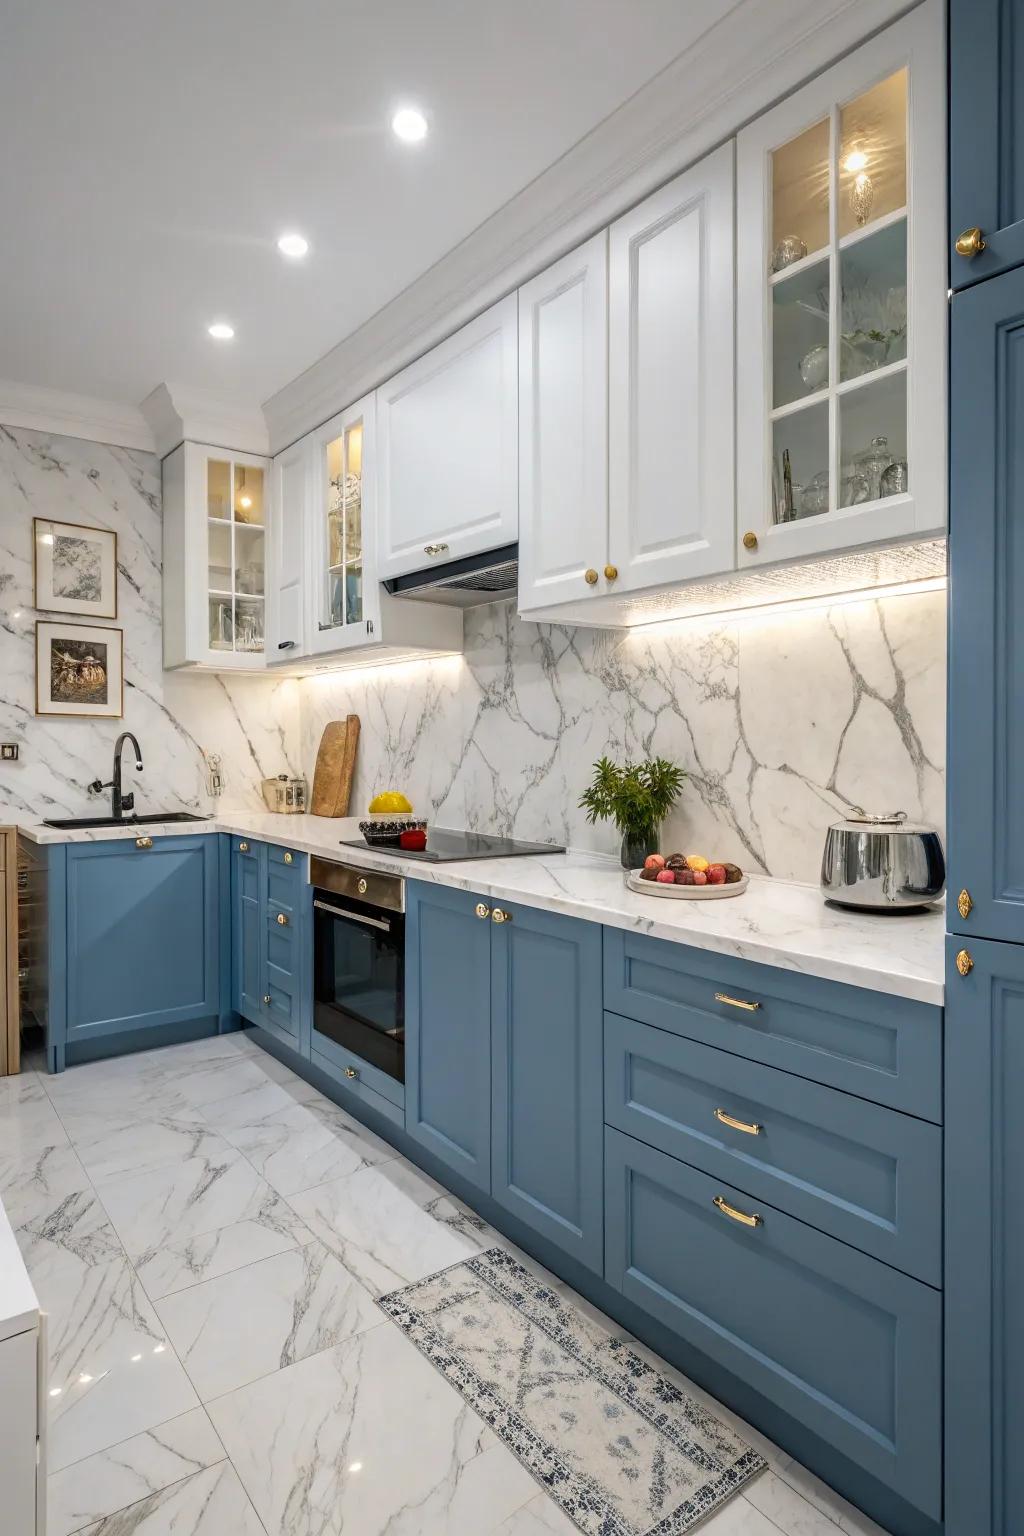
(76, 569)
(79, 670)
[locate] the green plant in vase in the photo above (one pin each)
(636, 797)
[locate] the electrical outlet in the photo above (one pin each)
(8, 751)
(214, 774)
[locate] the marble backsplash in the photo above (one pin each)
(251, 722)
(782, 722)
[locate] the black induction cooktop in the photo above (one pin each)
(444, 847)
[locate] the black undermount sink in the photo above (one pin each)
(74, 823)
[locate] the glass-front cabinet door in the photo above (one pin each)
(236, 560)
(343, 581)
(841, 351)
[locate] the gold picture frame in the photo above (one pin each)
(74, 569)
(79, 670)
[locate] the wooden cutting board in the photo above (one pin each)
(335, 767)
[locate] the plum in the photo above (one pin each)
(654, 861)
(716, 874)
(699, 877)
(665, 877)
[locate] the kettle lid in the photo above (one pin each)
(876, 819)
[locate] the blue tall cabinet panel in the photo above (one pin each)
(986, 137)
(986, 681)
(547, 1162)
(448, 1027)
(271, 939)
(247, 914)
(984, 1239)
(142, 934)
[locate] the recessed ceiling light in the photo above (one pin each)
(221, 331)
(409, 125)
(293, 245)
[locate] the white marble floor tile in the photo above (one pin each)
(368, 1438)
(786, 1508)
(307, 1144)
(540, 1517)
(112, 1372)
(27, 1121)
(98, 1486)
(121, 1097)
(377, 1223)
(851, 1521)
(70, 1232)
(209, 1503)
(248, 1103)
(233, 1330)
(34, 1180)
(739, 1518)
(112, 1149)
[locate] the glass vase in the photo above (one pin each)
(636, 846)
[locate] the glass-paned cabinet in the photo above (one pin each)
(841, 350)
(236, 564)
(342, 520)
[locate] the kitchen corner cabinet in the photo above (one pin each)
(503, 1057)
(287, 576)
(986, 659)
(841, 304)
(271, 939)
(215, 515)
(986, 130)
(447, 448)
(984, 1239)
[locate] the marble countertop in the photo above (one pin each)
(775, 922)
(19, 1308)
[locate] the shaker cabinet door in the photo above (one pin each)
(563, 430)
(286, 564)
(671, 406)
(986, 130)
(986, 647)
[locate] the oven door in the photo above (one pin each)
(359, 979)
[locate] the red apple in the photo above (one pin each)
(699, 877)
(716, 874)
(665, 877)
(654, 861)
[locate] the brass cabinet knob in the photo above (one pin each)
(611, 573)
(498, 916)
(964, 963)
(590, 577)
(482, 909)
(361, 886)
(750, 541)
(289, 858)
(282, 920)
(266, 999)
(964, 903)
(243, 847)
(351, 1072)
(143, 842)
(970, 242)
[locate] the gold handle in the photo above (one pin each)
(282, 920)
(361, 886)
(590, 577)
(970, 242)
(498, 916)
(435, 549)
(289, 858)
(750, 1126)
(964, 903)
(266, 999)
(482, 909)
(964, 963)
(750, 541)
(736, 1002)
(243, 847)
(735, 1215)
(143, 842)
(351, 1072)
(611, 573)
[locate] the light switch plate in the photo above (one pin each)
(8, 751)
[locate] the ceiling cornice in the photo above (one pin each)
(760, 51)
(177, 411)
(57, 411)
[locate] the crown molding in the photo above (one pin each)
(758, 52)
(68, 415)
(175, 412)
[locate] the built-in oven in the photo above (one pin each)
(359, 962)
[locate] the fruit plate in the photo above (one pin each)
(685, 892)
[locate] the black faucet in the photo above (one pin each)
(119, 803)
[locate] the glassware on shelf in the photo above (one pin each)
(853, 488)
(248, 627)
(872, 462)
(800, 460)
(788, 250)
(814, 367)
(800, 317)
(895, 480)
(222, 630)
(800, 196)
(815, 497)
(873, 311)
(250, 578)
(873, 154)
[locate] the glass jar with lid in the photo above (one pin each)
(872, 463)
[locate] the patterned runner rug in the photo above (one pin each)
(621, 1449)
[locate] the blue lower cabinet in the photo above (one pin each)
(546, 1077)
(246, 924)
(142, 934)
(447, 1027)
(271, 939)
(984, 1239)
(842, 1343)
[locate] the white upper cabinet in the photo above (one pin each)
(447, 448)
(286, 565)
(671, 404)
(215, 507)
(563, 427)
(842, 304)
(342, 581)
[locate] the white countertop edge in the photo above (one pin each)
(775, 922)
(19, 1308)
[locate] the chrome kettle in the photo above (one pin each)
(882, 863)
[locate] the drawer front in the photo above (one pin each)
(844, 1344)
(865, 1174)
(888, 1049)
(355, 1074)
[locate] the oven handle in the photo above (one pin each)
(355, 917)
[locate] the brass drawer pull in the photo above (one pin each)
(736, 1002)
(143, 842)
(351, 1072)
(243, 847)
(289, 858)
(433, 550)
(282, 920)
(735, 1215)
(362, 885)
(482, 909)
(267, 999)
(750, 1126)
(499, 916)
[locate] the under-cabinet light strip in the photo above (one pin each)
(785, 606)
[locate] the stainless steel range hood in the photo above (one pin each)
(466, 583)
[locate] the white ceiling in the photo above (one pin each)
(154, 149)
